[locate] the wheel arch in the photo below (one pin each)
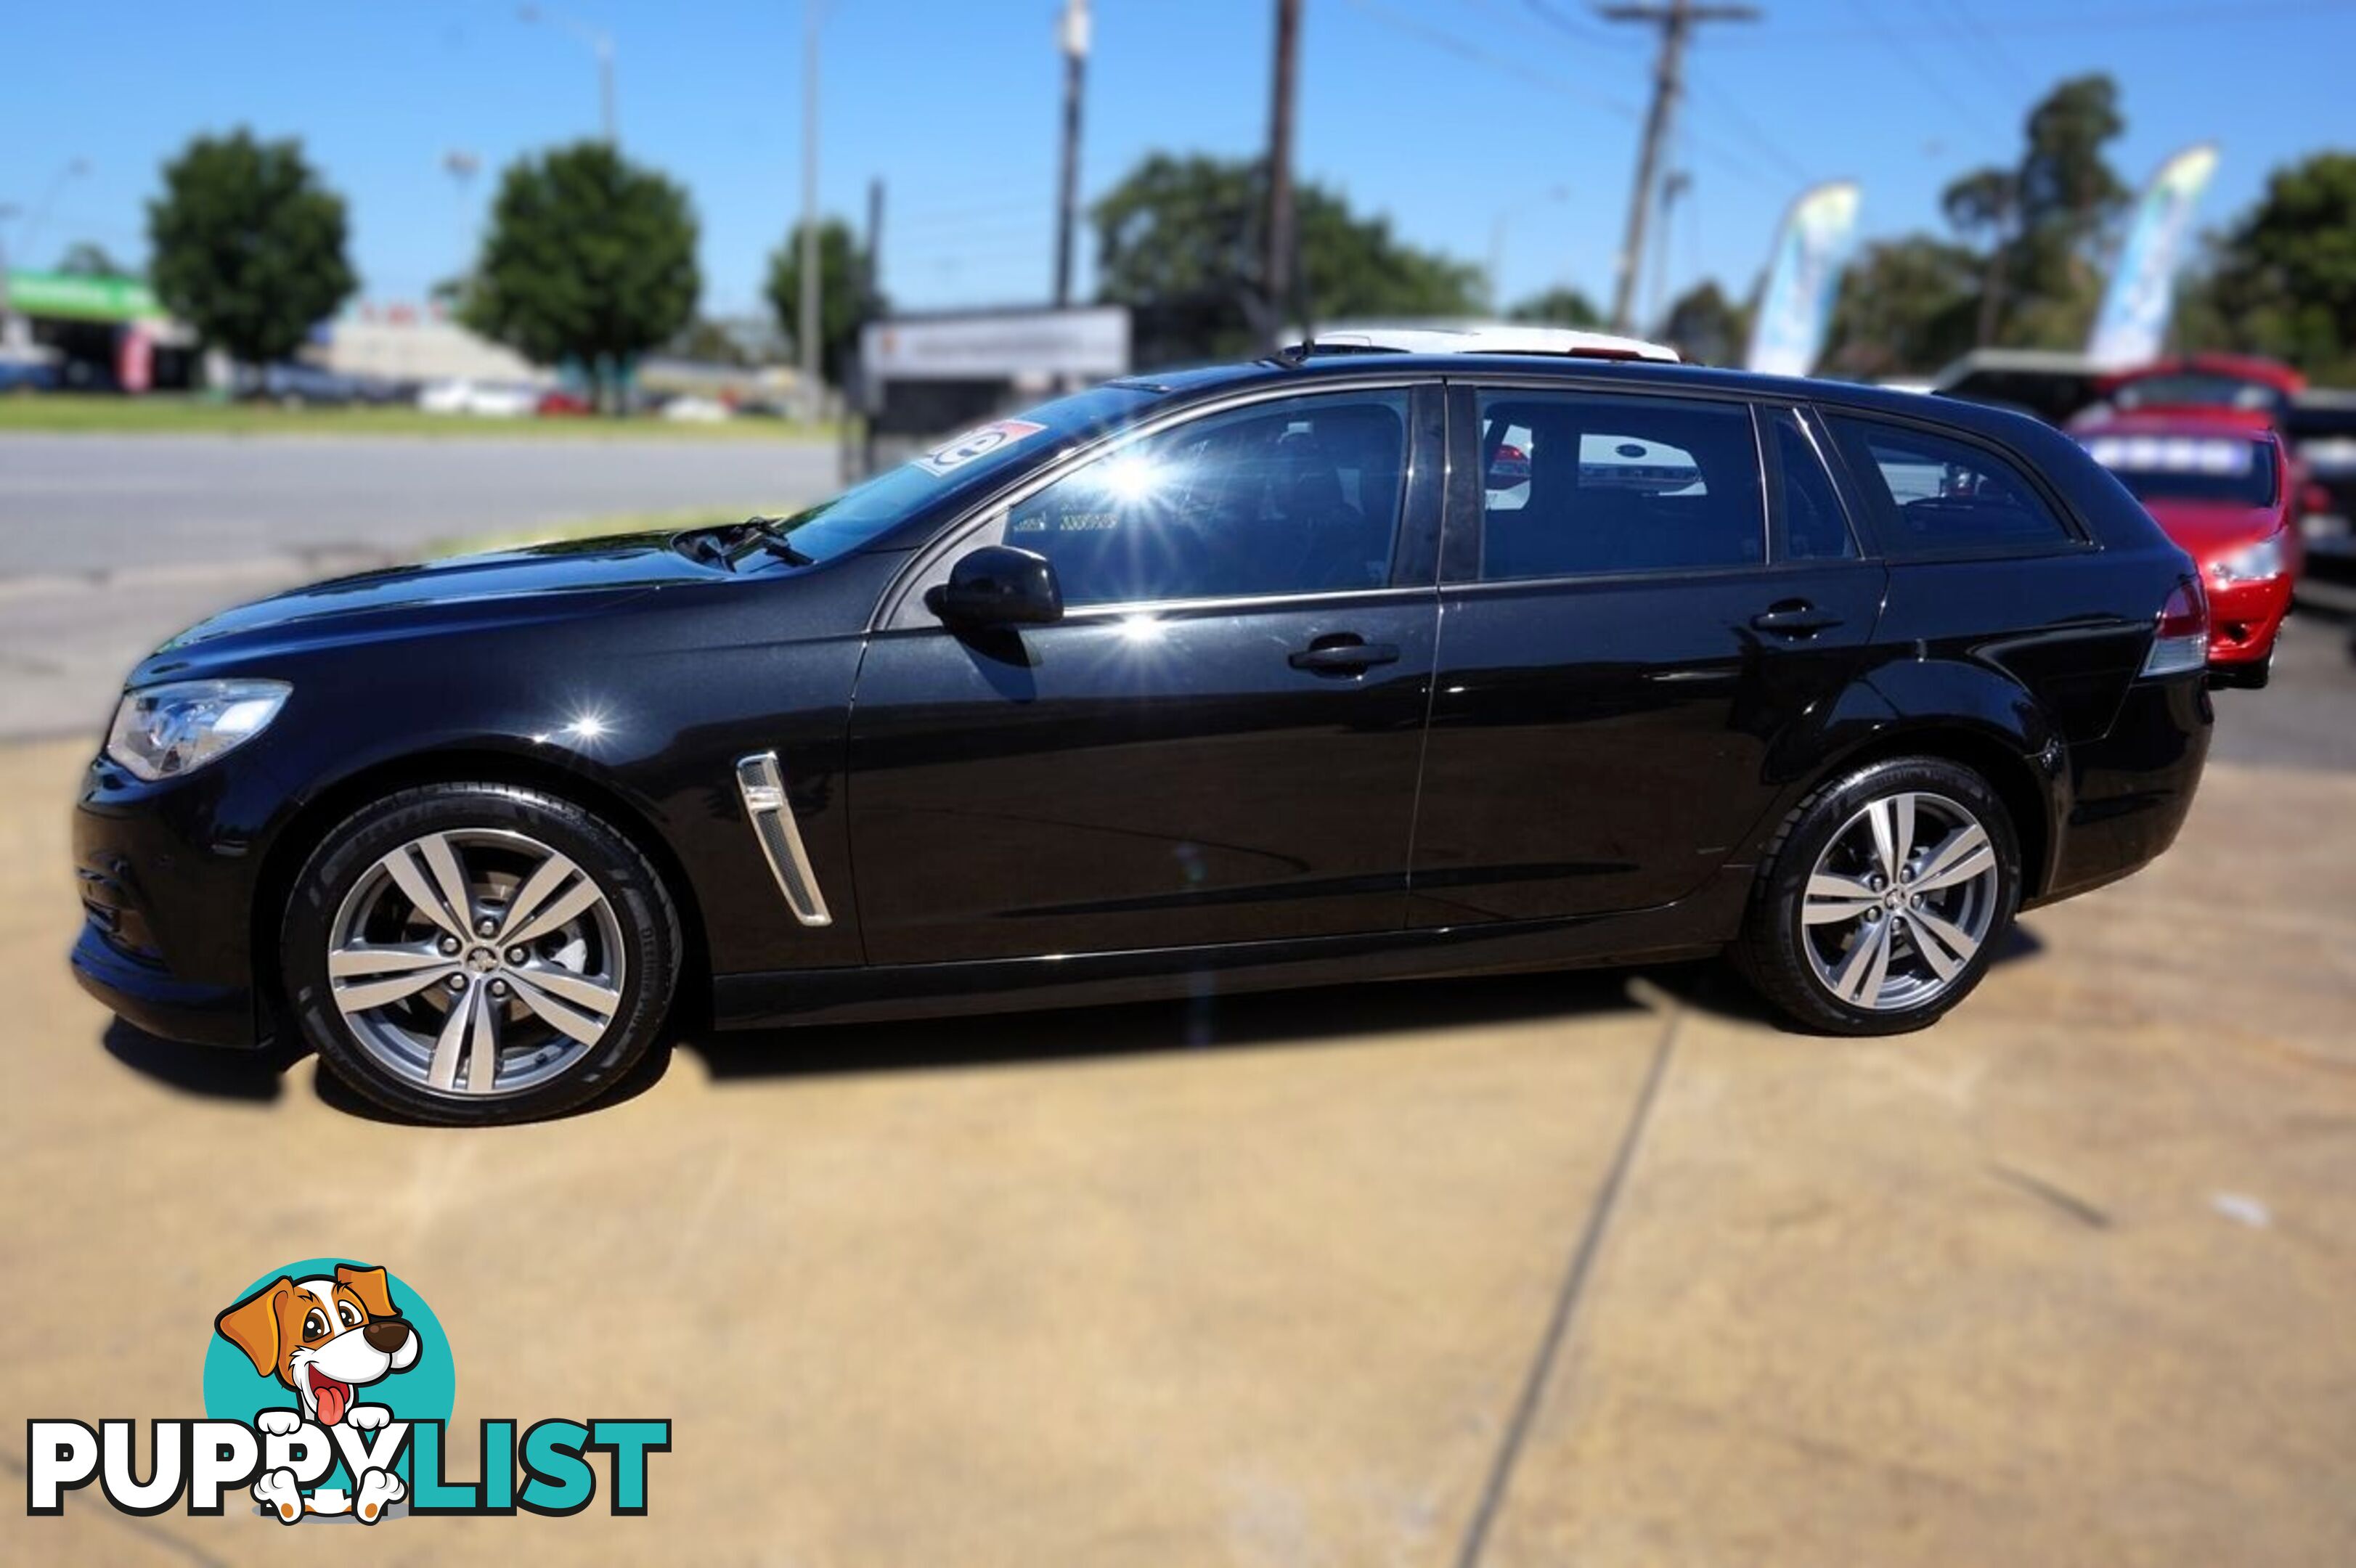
(295, 840)
(2013, 773)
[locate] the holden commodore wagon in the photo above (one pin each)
(1336, 667)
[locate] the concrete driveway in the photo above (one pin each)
(1592, 1268)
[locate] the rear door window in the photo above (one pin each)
(1588, 484)
(1937, 496)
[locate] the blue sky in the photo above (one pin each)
(1442, 113)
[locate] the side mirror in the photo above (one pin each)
(998, 585)
(2315, 499)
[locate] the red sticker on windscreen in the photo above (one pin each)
(979, 441)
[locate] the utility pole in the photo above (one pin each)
(1075, 66)
(1676, 20)
(811, 388)
(1276, 263)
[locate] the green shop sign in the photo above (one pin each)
(82, 298)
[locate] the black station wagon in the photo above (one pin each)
(1334, 666)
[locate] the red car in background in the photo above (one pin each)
(2219, 482)
(2210, 383)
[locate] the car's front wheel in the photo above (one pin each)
(476, 953)
(1884, 899)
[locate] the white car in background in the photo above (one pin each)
(484, 399)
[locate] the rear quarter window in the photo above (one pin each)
(1932, 494)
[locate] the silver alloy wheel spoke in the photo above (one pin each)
(1943, 946)
(1899, 903)
(567, 904)
(450, 878)
(1961, 856)
(410, 878)
(1861, 974)
(442, 1072)
(560, 1015)
(369, 976)
(554, 873)
(477, 961)
(1832, 897)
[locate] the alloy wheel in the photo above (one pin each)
(476, 962)
(1899, 901)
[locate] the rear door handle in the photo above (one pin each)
(1795, 618)
(1342, 654)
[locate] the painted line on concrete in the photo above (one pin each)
(1574, 1281)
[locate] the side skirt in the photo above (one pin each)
(1693, 927)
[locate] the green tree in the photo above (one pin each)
(2038, 227)
(589, 258)
(1177, 242)
(1906, 307)
(846, 302)
(1561, 305)
(1981, 207)
(2282, 279)
(86, 259)
(1706, 326)
(247, 246)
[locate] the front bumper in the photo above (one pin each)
(2245, 618)
(166, 875)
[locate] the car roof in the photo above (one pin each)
(1337, 370)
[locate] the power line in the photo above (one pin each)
(1572, 27)
(1754, 135)
(2006, 71)
(1464, 49)
(2083, 21)
(1900, 51)
(1472, 54)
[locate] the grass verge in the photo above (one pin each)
(581, 528)
(167, 414)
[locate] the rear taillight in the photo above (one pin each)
(2181, 645)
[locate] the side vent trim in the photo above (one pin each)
(764, 789)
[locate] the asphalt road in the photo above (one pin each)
(110, 544)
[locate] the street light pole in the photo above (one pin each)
(601, 44)
(74, 169)
(1276, 262)
(1075, 64)
(1505, 215)
(809, 333)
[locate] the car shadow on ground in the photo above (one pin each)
(1324, 1015)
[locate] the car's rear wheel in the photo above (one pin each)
(478, 953)
(1884, 899)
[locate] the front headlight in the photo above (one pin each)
(163, 732)
(2252, 564)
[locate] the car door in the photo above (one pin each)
(1637, 601)
(1218, 742)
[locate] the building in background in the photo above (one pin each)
(99, 334)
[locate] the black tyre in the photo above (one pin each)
(476, 953)
(1883, 899)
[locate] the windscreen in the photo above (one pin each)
(2229, 470)
(867, 511)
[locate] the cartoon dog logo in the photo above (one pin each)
(326, 1338)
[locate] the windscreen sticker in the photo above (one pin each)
(2173, 453)
(979, 441)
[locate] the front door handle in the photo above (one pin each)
(1795, 618)
(1344, 653)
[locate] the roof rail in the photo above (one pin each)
(1478, 337)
